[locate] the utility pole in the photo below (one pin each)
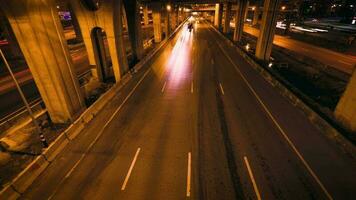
(38, 128)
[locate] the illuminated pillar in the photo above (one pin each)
(167, 24)
(157, 25)
(41, 39)
(345, 111)
(111, 18)
(246, 10)
(256, 14)
(239, 20)
(226, 27)
(173, 19)
(134, 26)
(218, 15)
(145, 15)
(268, 27)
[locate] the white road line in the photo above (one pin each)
(189, 173)
(252, 178)
(130, 170)
(192, 87)
(164, 86)
(312, 173)
(99, 134)
(222, 89)
(347, 63)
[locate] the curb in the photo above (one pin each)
(23, 180)
(320, 123)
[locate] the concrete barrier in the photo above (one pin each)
(9, 193)
(27, 176)
(33, 170)
(56, 147)
(319, 122)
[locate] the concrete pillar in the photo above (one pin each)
(157, 26)
(246, 10)
(167, 24)
(218, 15)
(41, 39)
(345, 111)
(109, 18)
(256, 14)
(76, 27)
(134, 26)
(239, 20)
(173, 19)
(145, 15)
(268, 27)
(226, 27)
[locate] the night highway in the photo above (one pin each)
(199, 122)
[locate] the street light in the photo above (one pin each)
(254, 8)
(38, 128)
(283, 7)
(169, 7)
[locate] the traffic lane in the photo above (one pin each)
(277, 172)
(76, 184)
(165, 134)
(54, 176)
(327, 159)
(340, 61)
(214, 175)
(276, 169)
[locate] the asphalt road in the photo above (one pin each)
(199, 123)
(342, 62)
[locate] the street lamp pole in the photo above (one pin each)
(38, 128)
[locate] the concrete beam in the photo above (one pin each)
(345, 111)
(268, 28)
(41, 39)
(239, 20)
(134, 26)
(226, 27)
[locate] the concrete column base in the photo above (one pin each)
(345, 111)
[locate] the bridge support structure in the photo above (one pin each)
(218, 15)
(157, 25)
(41, 39)
(227, 17)
(267, 30)
(239, 20)
(134, 27)
(109, 18)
